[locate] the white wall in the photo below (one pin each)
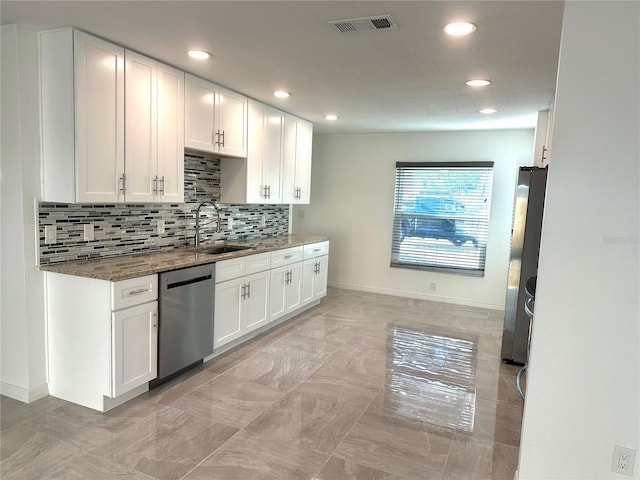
(352, 195)
(583, 392)
(22, 325)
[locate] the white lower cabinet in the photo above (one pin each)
(135, 347)
(314, 279)
(241, 303)
(286, 290)
(102, 338)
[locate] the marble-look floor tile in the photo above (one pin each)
(341, 469)
(228, 400)
(13, 411)
(281, 368)
(167, 444)
(469, 461)
(92, 467)
(248, 456)
(496, 422)
(179, 386)
(85, 428)
(505, 461)
(29, 454)
(330, 385)
(396, 446)
(313, 422)
(500, 387)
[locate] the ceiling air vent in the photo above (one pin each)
(365, 24)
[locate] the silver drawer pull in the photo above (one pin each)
(288, 256)
(137, 292)
(317, 249)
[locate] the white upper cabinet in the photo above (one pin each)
(82, 101)
(258, 179)
(215, 118)
(296, 176)
(91, 151)
(154, 128)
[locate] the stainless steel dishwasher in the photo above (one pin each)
(185, 332)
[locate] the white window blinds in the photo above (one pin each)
(441, 216)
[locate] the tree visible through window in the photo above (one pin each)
(441, 216)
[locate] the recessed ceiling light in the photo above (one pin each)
(478, 83)
(281, 94)
(487, 110)
(331, 117)
(199, 54)
(459, 29)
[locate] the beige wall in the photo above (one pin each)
(352, 196)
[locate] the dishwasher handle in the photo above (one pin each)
(189, 281)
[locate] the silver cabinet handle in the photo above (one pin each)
(138, 291)
(222, 138)
(317, 249)
(162, 185)
(155, 185)
(288, 256)
(121, 181)
(217, 134)
(248, 290)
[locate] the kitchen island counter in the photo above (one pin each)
(124, 267)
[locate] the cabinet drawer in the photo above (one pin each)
(228, 269)
(134, 291)
(286, 256)
(257, 263)
(316, 250)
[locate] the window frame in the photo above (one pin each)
(479, 241)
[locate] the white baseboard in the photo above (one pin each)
(417, 295)
(22, 394)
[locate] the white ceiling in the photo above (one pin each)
(409, 79)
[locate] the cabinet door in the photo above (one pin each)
(320, 283)
(308, 280)
(293, 297)
(135, 347)
(255, 152)
(141, 129)
(296, 167)
(231, 123)
(99, 97)
(170, 181)
(227, 320)
(304, 136)
(199, 114)
(256, 302)
(289, 159)
(278, 284)
(272, 157)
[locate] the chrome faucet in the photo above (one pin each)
(199, 226)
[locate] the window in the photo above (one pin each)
(441, 216)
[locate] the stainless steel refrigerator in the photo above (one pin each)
(525, 247)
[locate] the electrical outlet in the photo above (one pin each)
(50, 234)
(160, 226)
(623, 460)
(230, 223)
(263, 221)
(433, 286)
(88, 232)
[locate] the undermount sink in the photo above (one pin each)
(222, 249)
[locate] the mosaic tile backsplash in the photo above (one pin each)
(121, 229)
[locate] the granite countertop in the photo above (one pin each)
(131, 266)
